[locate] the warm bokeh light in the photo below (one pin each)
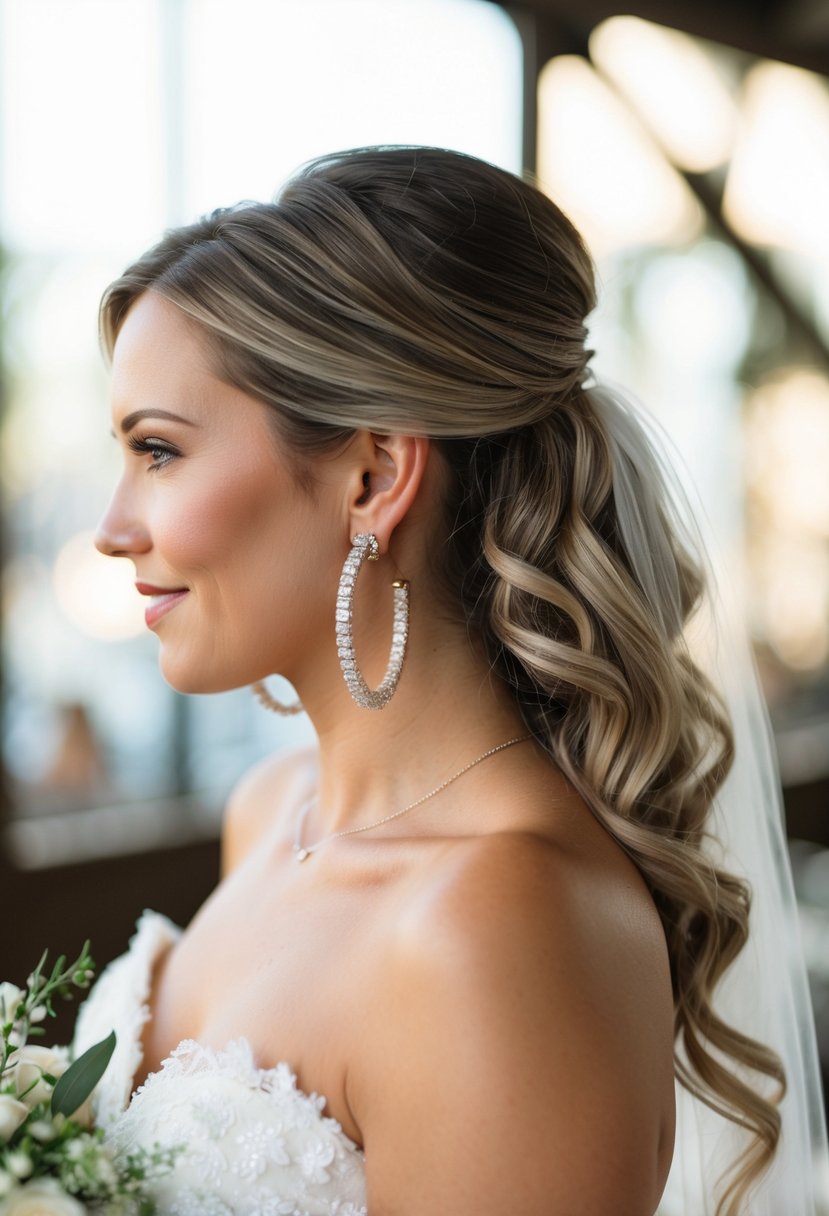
(787, 477)
(777, 190)
(602, 168)
(788, 434)
(96, 593)
(673, 84)
(118, 120)
(797, 602)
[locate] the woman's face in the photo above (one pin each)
(244, 563)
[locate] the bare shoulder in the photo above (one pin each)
(516, 899)
(249, 810)
(527, 1022)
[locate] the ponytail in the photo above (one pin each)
(582, 592)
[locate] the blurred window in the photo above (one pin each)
(699, 178)
(119, 118)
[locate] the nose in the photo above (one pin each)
(119, 533)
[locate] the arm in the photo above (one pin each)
(524, 1046)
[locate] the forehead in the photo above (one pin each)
(162, 367)
(158, 348)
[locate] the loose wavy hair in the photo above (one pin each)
(421, 291)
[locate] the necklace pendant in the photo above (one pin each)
(302, 853)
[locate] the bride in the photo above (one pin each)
(362, 450)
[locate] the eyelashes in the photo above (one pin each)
(161, 452)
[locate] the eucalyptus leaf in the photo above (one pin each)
(81, 1077)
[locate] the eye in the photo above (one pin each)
(161, 452)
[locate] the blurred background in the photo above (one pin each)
(690, 143)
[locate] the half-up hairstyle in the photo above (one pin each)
(421, 291)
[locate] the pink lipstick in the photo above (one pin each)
(163, 600)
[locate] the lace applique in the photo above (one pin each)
(255, 1142)
(210, 1163)
(314, 1160)
(259, 1146)
(119, 1000)
(252, 1142)
(263, 1203)
(216, 1116)
(196, 1203)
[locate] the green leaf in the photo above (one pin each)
(80, 1078)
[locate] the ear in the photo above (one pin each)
(388, 475)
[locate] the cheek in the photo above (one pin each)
(241, 527)
(192, 530)
(209, 519)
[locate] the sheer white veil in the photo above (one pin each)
(765, 992)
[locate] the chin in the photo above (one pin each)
(193, 680)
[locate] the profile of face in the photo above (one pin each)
(207, 506)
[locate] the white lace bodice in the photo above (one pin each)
(254, 1143)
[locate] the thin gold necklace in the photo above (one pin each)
(303, 852)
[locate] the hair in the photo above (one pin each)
(422, 291)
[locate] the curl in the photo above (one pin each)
(584, 593)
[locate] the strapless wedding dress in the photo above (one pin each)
(251, 1142)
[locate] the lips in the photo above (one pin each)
(149, 589)
(163, 599)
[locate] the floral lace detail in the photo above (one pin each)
(216, 1117)
(210, 1163)
(314, 1160)
(197, 1203)
(252, 1143)
(258, 1146)
(119, 999)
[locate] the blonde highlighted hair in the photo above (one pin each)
(421, 291)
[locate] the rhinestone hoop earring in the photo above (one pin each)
(363, 546)
(264, 698)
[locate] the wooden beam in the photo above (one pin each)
(759, 29)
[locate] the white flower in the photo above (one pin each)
(6, 1183)
(106, 1174)
(19, 1164)
(12, 1114)
(29, 1064)
(44, 1197)
(28, 1067)
(10, 998)
(43, 1130)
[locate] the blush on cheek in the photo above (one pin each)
(213, 526)
(262, 561)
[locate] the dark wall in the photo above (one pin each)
(60, 908)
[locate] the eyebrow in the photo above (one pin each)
(129, 422)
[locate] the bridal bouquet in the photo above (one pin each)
(53, 1162)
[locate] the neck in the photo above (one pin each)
(447, 710)
(304, 849)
